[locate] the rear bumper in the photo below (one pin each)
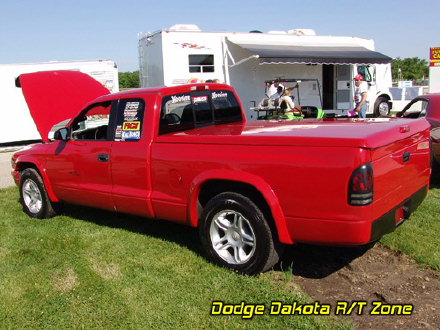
(336, 232)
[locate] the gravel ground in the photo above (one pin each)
(5, 169)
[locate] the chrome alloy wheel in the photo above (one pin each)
(384, 108)
(232, 237)
(32, 196)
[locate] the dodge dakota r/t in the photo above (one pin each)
(187, 154)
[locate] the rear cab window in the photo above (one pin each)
(185, 111)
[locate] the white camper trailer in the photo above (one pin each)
(184, 53)
(16, 123)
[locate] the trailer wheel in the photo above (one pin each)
(33, 195)
(382, 107)
(235, 234)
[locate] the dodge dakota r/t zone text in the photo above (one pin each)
(187, 154)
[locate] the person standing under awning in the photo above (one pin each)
(360, 96)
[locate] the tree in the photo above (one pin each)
(412, 68)
(128, 80)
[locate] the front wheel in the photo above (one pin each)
(382, 107)
(236, 235)
(33, 195)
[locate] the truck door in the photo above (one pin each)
(343, 85)
(130, 158)
(80, 167)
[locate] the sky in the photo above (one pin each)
(60, 30)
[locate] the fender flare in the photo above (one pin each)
(42, 170)
(243, 177)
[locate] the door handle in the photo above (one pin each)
(103, 157)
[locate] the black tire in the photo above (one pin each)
(382, 107)
(435, 170)
(33, 195)
(243, 240)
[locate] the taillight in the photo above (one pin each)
(360, 188)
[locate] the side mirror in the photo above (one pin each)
(61, 134)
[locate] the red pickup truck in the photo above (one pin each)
(187, 154)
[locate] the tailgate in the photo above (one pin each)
(400, 170)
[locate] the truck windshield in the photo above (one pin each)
(195, 109)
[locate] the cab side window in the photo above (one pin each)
(129, 120)
(94, 124)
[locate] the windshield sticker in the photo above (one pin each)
(131, 126)
(132, 106)
(118, 132)
(219, 95)
(131, 109)
(131, 135)
(199, 99)
(180, 99)
(130, 113)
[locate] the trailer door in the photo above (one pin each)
(343, 83)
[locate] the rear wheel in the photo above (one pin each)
(235, 234)
(382, 107)
(33, 195)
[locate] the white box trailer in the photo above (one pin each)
(434, 78)
(16, 123)
(184, 53)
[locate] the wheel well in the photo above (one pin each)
(384, 96)
(24, 165)
(212, 188)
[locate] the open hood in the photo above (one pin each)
(54, 96)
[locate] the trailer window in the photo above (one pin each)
(201, 63)
(365, 71)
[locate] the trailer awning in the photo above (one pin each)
(286, 54)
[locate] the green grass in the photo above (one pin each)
(419, 236)
(97, 270)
